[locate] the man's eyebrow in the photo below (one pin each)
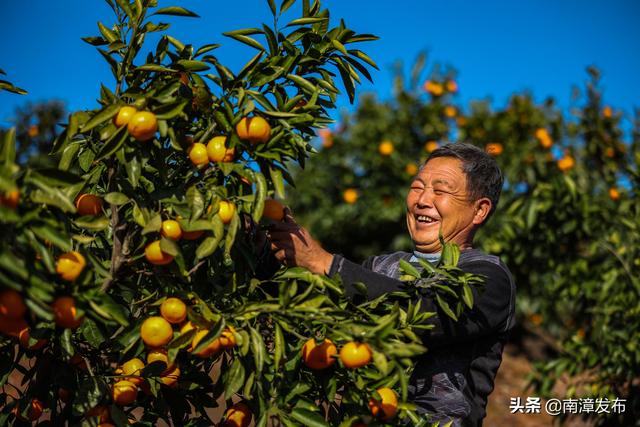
(443, 182)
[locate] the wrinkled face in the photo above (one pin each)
(438, 200)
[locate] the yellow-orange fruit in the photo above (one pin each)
(10, 199)
(238, 415)
(124, 393)
(217, 150)
(124, 115)
(255, 129)
(173, 310)
(355, 355)
(153, 253)
(387, 407)
(171, 229)
(65, 313)
(88, 204)
(350, 195)
(156, 331)
(273, 209)
(226, 211)
(143, 125)
(318, 356)
(11, 304)
(70, 265)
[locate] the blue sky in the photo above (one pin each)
(498, 47)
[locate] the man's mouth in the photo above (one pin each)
(426, 219)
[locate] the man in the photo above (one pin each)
(455, 193)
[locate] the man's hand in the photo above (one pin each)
(294, 246)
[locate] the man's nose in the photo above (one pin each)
(426, 197)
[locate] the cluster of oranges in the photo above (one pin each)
(352, 355)
(438, 88)
(142, 125)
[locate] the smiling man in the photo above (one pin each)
(454, 193)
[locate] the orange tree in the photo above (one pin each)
(566, 225)
(129, 272)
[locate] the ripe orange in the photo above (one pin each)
(100, 411)
(154, 254)
(65, 313)
(318, 356)
(226, 211)
(566, 163)
(211, 350)
(187, 326)
(171, 229)
(156, 331)
(386, 408)
(12, 304)
(34, 413)
(143, 125)
(607, 112)
(198, 154)
(228, 338)
(327, 138)
(350, 195)
(88, 204)
(10, 199)
(385, 148)
(217, 150)
(543, 136)
(610, 152)
(411, 169)
(12, 327)
(614, 194)
(450, 111)
(124, 393)
(238, 415)
(24, 340)
(273, 209)
(430, 146)
(173, 310)
(33, 131)
(433, 88)
(451, 86)
(132, 369)
(494, 148)
(255, 129)
(124, 115)
(355, 354)
(160, 355)
(70, 265)
(170, 377)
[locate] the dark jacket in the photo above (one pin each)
(454, 378)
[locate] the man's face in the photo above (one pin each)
(438, 199)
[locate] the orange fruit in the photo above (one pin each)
(614, 194)
(192, 235)
(124, 393)
(430, 146)
(171, 229)
(543, 137)
(198, 154)
(607, 112)
(170, 377)
(24, 340)
(211, 350)
(536, 319)
(156, 331)
(451, 86)
(10, 199)
(318, 356)
(610, 152)
(566, 163)
(65, 313)
(387, 407)
(226, 211)
(450, 111)
(33, 131)
(238, 415)
(154, 254)
(433, 88)
(228, 338)
(273, 210)
(494, 148)
(327, 138)
(355, 354)
(70, 265)
(143, 125)
(132, 369)
(34, 413)
(411, 169)
(385, 148)
(12, 327)
(217, 150)
(100, 411)
(173, 310)
(350, 195)
(187, 326)
(124, 115)
(255, 129)
(12, 304)
(88, 204)
(160, 355)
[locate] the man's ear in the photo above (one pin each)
(482, 208)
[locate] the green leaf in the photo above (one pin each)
(107, 113)
(206, 48)
(208, 246)
(8, 152)
(258, 349)
(192, 65)
(155, 67)
(409, 269)
(308, 418)
(305, 21)
(234, 377)
(153, 225)
(175, 11)
(302, 83)
(444, 306)
(285, 5)
(113, 143)
(116, 198)
(280, 346)
(246, 40)
(5, 85)
(169, 111)
(467, 295)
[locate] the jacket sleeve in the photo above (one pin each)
(492, 310)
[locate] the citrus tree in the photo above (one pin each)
(566, 225)
(129, 271)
